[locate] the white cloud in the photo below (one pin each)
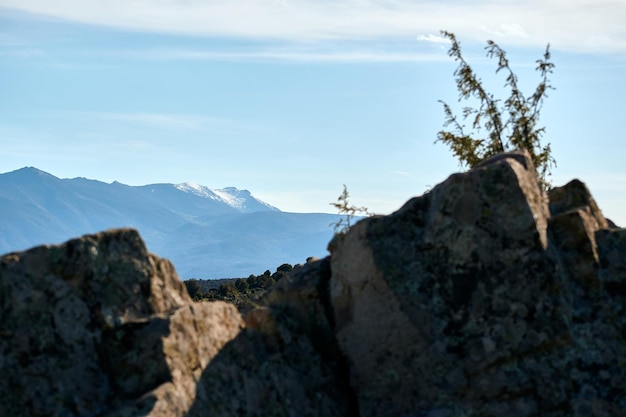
(507, 30)
(105, 122)
(577, 25)
(433, 38)
(346, 55)
(407, 175)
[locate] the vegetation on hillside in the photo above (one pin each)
(243, 292)
(498, 126)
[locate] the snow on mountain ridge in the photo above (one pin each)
(231, 199)
(197, 189)
(232, 196)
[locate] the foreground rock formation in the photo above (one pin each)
(98, 324)
(480, 298)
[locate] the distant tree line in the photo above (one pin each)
(243, 292)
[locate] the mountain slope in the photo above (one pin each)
(240, 242)
(207, 233)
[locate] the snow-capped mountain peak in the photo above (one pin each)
(231, 198)
(240, 200)
(197, 189)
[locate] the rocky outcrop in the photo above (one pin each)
(474, 300)
(98, 326)
(483, 297)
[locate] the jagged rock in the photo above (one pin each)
(98, 325)
(572, 196)
(574, 222)
(472, 300)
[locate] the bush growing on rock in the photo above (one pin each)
(509, 125)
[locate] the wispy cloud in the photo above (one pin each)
(159, 120)
(433, 38)
(577, 25)
(293, 55)
(506, 30)
(407, 175)
(164, 123)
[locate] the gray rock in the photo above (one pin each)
(98, 325)
(473, 300)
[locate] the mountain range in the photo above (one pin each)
(206, 233)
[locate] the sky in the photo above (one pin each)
(292, 99)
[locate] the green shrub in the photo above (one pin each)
(498, 126)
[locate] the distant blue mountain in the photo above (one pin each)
(207, 233)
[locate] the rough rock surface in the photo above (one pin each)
(99, 326)
(483, 297)
(286, 361)
(474, 300)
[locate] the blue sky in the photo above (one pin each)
(293, 99)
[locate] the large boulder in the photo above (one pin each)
(100, 326)
(474, 300)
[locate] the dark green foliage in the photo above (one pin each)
(243, 292)
(241, 285)
(509, 125)
(227, 290)
(282, 271)
(194, 289)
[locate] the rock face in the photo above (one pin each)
(476, 300)
(483, 297)
(97, 325)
